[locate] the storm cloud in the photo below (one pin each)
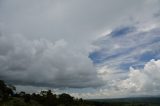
(43, 63)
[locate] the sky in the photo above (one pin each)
(87, 48)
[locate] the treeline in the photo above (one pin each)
(8, 97)
(44, 98)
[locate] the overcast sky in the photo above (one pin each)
(88, 48)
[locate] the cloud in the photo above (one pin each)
(143, 80)
(44, 63)
(131, 46)
(137, 82)
(77, 44)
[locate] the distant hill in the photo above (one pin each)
(132, 101)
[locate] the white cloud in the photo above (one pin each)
(137, 82)
(143, 80)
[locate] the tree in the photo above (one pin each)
(2, 89)
(65, 99)
(27, 98)
(5, 91)
(22, 94)
(43, 93)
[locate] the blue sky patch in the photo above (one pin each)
(122, 31)
(96, 57)
(128, 52)
(147, 56)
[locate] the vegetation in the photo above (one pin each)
(44, 98)
(47, 98)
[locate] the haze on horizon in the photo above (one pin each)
(87, 48)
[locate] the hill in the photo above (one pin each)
(135, 101)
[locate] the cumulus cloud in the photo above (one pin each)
(44, 63)
(137, 82)
(143, 80)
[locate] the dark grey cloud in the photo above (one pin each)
(43, 63)
(47, 43)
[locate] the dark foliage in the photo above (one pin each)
(5, 91)
(47, 98)
(44, 98)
